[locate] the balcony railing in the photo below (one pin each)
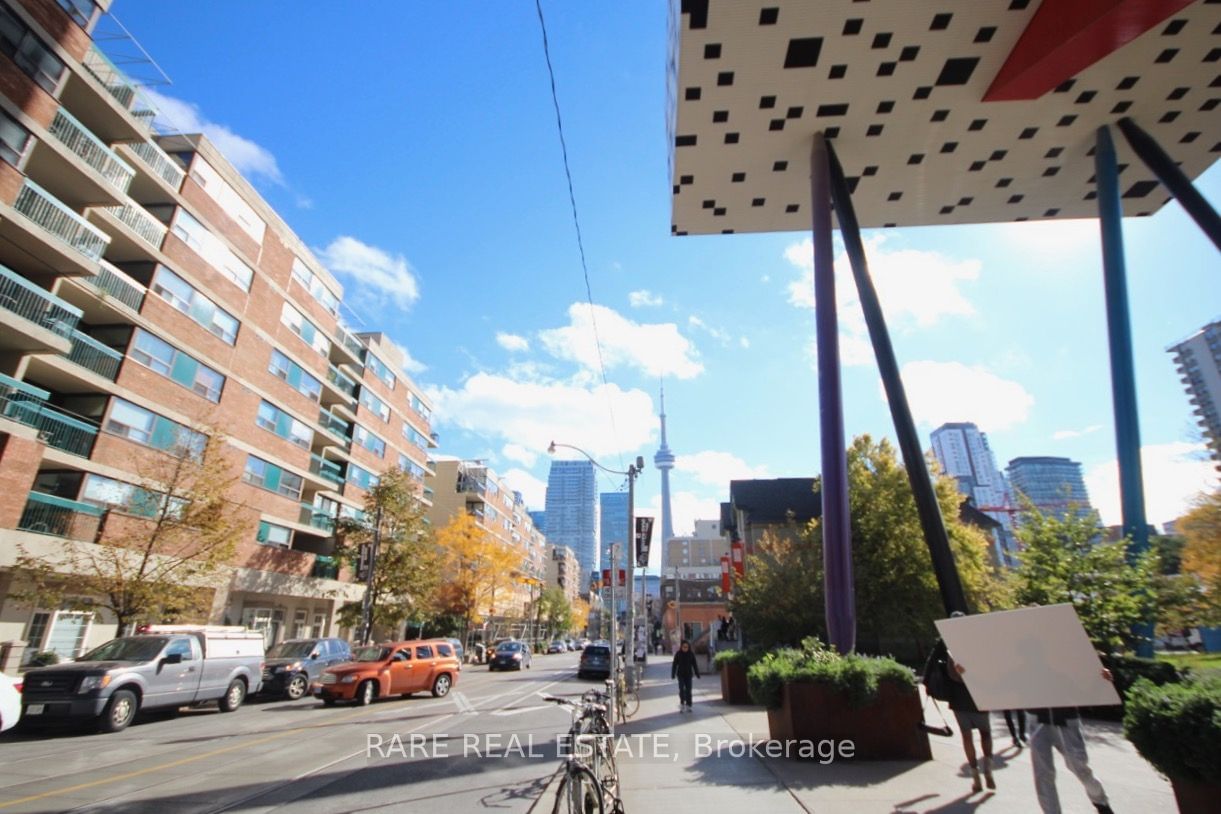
(335, 425)
(159, 163)
(118, 285)
(342, 381)
(328, 470)
(48, 514)
(325, 567)
(93, 355)
(116, 82)
(92, 150)
(44, 210)
(310, 516)
(350, 342)
(27, 405)
(23, 298)
(145, 225)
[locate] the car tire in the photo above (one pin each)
(120, 711)
(234, 696)
(297, 687)
(441, 686)
(365, 693)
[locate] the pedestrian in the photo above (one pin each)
(968, 716)
(1015, 719)
(683, 668)
(1060, 729)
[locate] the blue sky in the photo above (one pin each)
(414, 146)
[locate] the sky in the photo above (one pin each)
(414, 147)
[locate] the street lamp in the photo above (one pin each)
(631, 473)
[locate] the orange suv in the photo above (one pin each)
(392, 668)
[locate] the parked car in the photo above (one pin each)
(571, 644)
(582, 643)
(510, 656)
(293, 665)
(171, 666)
(392, 668)
(10, 701)
(557, 647)
(595, 660)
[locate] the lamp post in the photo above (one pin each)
(631, 473)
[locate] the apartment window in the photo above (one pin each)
(180, 294)
(273, 535)
(314, 285)
(380, 370)
(361, 477)
(411, 467)
(272, 478)
(273, 419)
(305, 329)
(415, 436)
(420, 407)
(369, 441)
(208, 246)
(127, 497)
(295, 375)
(14, 139)
(29, 52)
(373, 403)
(81, 11)
(146, 427)
(161, 357)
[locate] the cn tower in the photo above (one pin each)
(664, 460)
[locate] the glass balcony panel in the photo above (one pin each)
(115, 81)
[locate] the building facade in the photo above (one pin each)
(148, 295)
(1198, 360)
(613, 513)
(564, 572)
(964, 454)
(471, 487)
(1054, 485)
(572, 511)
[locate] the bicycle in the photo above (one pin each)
(588, 785)
(627, 700)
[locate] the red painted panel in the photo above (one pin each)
(1067, 36)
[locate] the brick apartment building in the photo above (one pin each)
(146, 289)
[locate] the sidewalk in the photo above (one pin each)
(690, 775)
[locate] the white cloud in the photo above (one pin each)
(516, 452)
(247, 157)
(744, 342)
(512, 342)
(1050, 239)
(655, 349)
(1063, 435)
(718, 334)
(717, 468)
(685, 509)
(373, 267)
(950, 391)
(531, 414)
(644, 299)
(533, 490)
(1173, 474)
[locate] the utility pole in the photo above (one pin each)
(367, 605)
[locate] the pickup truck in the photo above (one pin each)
(111, 683)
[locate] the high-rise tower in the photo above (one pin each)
(664, 460)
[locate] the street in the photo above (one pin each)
(491, 743)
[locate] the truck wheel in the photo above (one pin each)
(440, 687)
(233, 696)
(296, 687)
(365, 693)
(119, 711)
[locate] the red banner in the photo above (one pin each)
(737, 550)
(725, 574)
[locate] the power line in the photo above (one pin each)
(576, 222)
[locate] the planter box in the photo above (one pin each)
(886, 729)
(1195, 796)
(733, 684)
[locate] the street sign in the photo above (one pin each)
(364, 561)
(644, 536)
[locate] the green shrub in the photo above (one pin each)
(1126, 671)
(745, 657)
(856, 677)
(1177, 727)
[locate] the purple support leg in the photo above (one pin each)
(836, 532)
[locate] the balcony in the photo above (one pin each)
(27, 405)
(64, 225)
(48, 514)
(352, 352)
(42, 320)
(115, 81)
(310, 516)
(94, 356)
(161, 164)
(90, 149)
(341, 381)
(116, 284)
(327, 470)
(134, 217)
(325, 567)
(336, 426)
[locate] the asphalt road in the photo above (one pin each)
(490, 744)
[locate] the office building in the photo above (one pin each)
(1198, 360)
(1053, 485)
(613, 513)
(572, 511)
(540, 519)
(148, 295)
(963, 453)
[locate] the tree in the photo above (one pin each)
(779, 597)
(1064, 559)
(407, 571)
(578, 614)
(554, 610)
(1201, 559)
(160, 544)
(476, 565)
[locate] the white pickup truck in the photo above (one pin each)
(169, 666)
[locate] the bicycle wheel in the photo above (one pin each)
(631, 703)
(579, 792)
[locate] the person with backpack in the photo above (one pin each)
(683, 668)
(943, 680)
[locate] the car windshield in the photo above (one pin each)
(598, 650)
(133, 648)
(508, 647)
(372, 653)
(291, 650)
